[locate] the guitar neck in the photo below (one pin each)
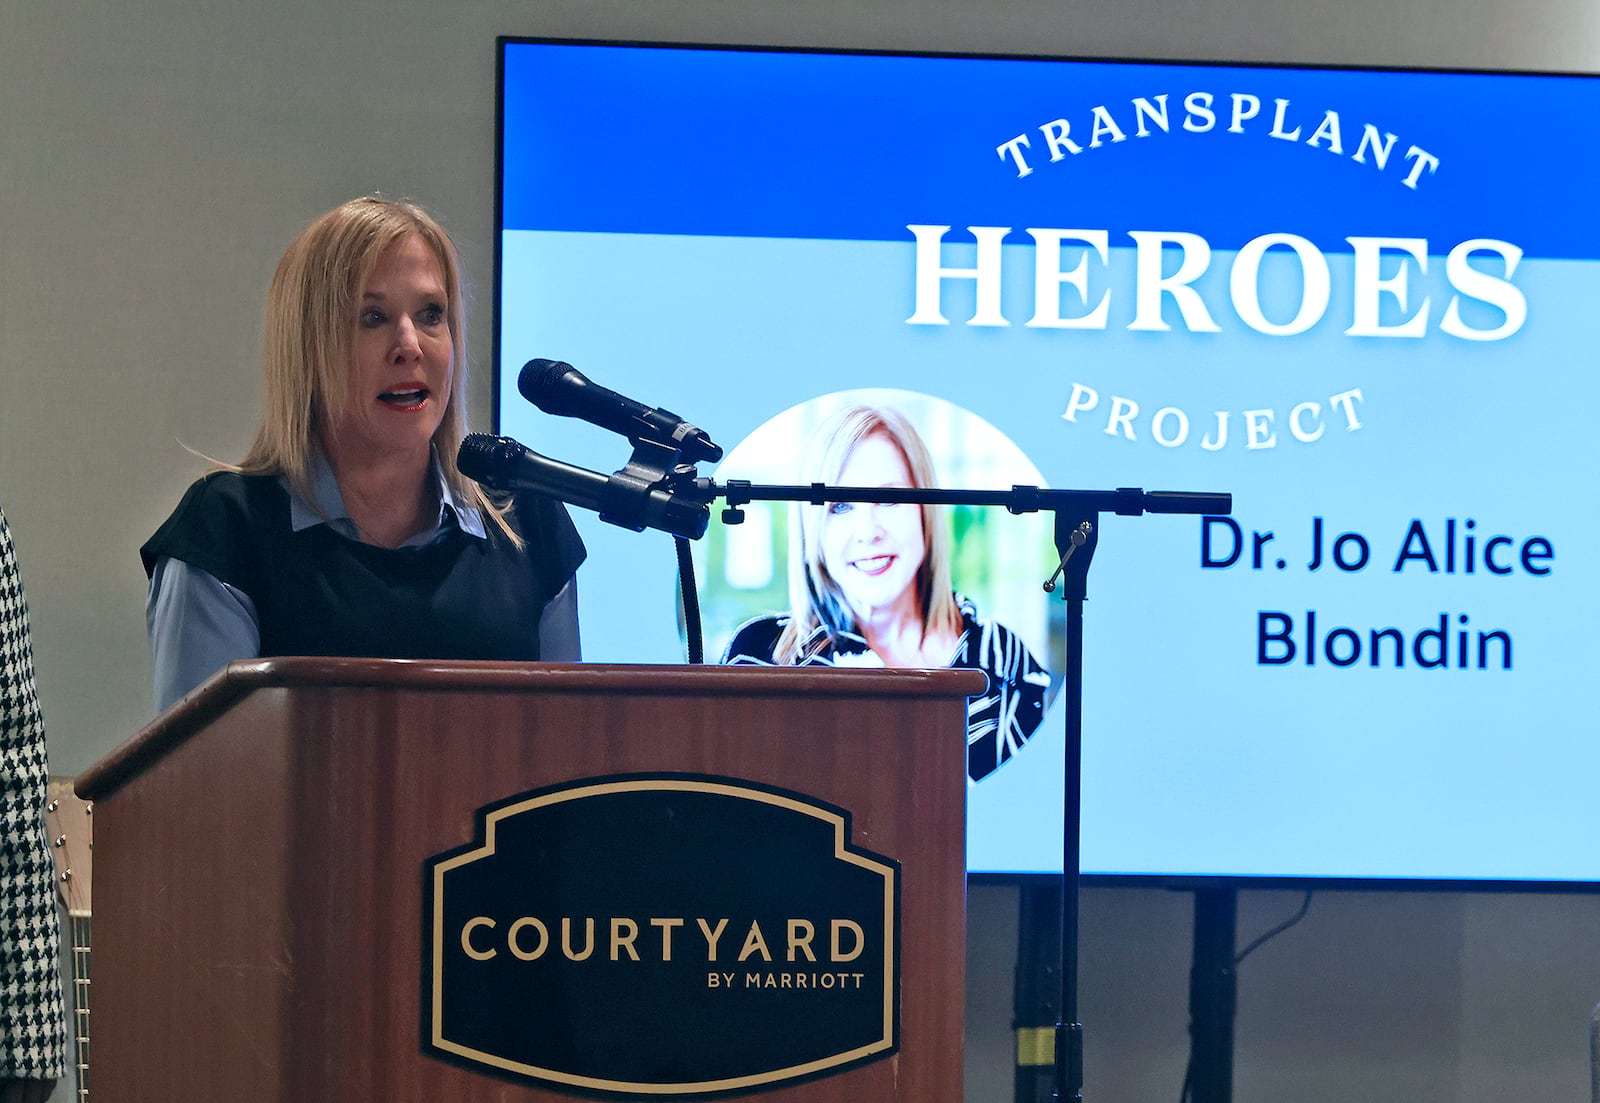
(68, 821)
(80, 1002)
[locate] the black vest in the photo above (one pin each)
(318, 593)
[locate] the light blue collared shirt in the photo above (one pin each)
(198, 624)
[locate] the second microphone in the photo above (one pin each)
(559, 388)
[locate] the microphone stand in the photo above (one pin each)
(1077, 534)
(657, 490)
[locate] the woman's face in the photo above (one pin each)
(402, 362)
(873, 552)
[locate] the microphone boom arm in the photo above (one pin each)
(1125, 501)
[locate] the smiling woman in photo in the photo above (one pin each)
(869, 585)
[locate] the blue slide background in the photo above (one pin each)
(724, 233)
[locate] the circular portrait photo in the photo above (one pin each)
(865, 584)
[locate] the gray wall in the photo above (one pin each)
(155, 159)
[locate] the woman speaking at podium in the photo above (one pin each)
(869, 585)
(346, 529)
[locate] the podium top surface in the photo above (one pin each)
(238, 680)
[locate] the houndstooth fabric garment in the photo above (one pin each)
(32, 1023)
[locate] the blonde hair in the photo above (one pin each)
(309, 332)
(815, 597)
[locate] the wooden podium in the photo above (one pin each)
(260, 855)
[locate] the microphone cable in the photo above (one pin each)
(691, 603)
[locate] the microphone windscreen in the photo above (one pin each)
(539, 382)
(483, 458)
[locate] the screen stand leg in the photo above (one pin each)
(1213, 996)
(1037, 989)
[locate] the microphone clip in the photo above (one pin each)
(655, 477)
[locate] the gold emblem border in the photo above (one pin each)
(840, 852)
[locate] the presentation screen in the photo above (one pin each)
(1362, 302)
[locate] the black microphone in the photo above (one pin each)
(506, 465)
(503, 464)
(561, 389)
